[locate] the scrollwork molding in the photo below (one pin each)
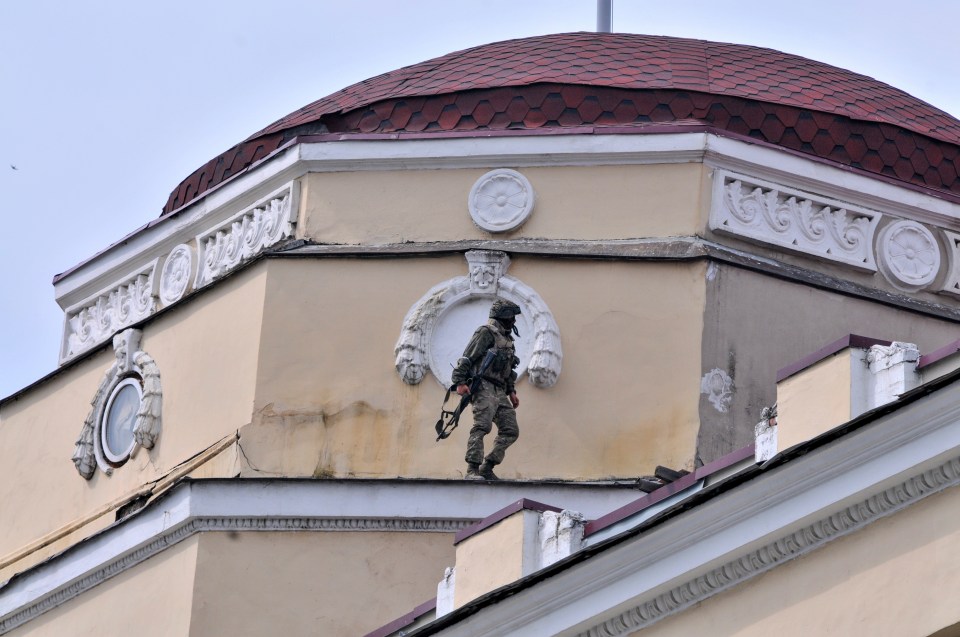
(909, 255)
(129, 362)
(245, 235)
(798, 221)
(94, 321)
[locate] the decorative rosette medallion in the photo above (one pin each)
(501, 200)
(909, 255)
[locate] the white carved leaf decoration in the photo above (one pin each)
(129, 302)
(412, 358)
(801, 222)
(243, 237)
(130, 361)
(952, 283)
(717, 386)
(413, 349)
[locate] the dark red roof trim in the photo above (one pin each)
(850, 340)
(687, 481)
(939, 354)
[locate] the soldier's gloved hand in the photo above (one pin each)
(463, 390)
(514, 400)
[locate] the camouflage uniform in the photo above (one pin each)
(491, 403)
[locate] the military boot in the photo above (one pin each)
(486, 471)
(473, 472)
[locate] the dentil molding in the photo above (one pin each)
(220, 524)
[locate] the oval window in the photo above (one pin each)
(119, 419)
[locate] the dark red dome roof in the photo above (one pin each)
(577, 79)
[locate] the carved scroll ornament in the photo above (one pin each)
(798, 221)
(243, 237)
(94, 322)
(486, 279)
(130, 363)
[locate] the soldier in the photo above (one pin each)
(496, 400)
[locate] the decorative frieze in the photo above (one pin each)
(223, 246)
(96, 320)
(794, 220)
(176, 534)
(244, 236)
(438, 326)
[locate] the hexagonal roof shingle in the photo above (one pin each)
(631, 61)
(540, 81)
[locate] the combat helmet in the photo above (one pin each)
(503, 309)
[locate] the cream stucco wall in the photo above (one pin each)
(599, 202)
(756, 324)
(335, 584)
(895, 578)
(816, 399)
(154, 599)
(330, 403)
(493, 557)
(206, 351)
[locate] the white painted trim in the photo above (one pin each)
(242, 236)
(157, 239)
(763, 212)
(127, 301)
(222, 241)
(276, 505)
(787, 512)
(829, 180)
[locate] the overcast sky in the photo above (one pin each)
(107, 105)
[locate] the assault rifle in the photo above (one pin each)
(450, 419)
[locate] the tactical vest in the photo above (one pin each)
(505, 358)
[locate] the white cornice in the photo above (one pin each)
(486, 152)
(103, 273)
(779, 515)
(830, 180)
(277, 505)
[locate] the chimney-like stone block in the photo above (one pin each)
(838, 383)
(512, 543)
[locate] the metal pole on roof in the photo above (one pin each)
(603, 16)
